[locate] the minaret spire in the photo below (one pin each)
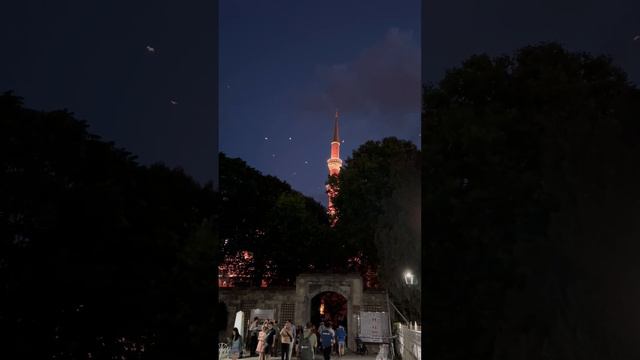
(336, 134)
(334, 163)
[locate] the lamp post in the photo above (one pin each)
(409, 278)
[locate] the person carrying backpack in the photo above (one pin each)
(327, 339)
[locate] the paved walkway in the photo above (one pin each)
(347, 356)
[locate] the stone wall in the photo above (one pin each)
(347, 285)
(295, 303)
(374, 300)
(282, 300)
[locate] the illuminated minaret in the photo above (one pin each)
(334, 163)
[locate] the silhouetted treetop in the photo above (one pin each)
(530, 190)
(99, 254)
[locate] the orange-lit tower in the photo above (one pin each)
(334, 163)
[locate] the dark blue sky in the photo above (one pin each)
(90, 57)
(286, 65)
(453, 30)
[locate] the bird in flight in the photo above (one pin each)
(151, 49)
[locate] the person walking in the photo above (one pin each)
(286, 339)
(327, 339)
(236, 344)
(341, 336)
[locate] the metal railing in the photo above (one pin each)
(409, 343)
(223, 351)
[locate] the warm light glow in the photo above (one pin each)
(235, 269)
(334, 163)
(321, 309)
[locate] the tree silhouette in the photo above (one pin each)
(282, 229)
(374, 223)
(98, 254)
(530, 191)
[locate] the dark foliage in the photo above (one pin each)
(378, 207)
(286, 232)
(530, 205)
(99, 255)
(368, 177)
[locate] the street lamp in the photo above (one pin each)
(409, 278)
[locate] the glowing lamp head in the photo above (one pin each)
(409, 278)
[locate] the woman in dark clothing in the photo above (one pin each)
(236, 344)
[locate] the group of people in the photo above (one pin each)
(332, 340)
(266, 338)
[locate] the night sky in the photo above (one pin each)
(91, 58)
(454, 30)
(285, 67)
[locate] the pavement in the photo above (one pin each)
(347, 356)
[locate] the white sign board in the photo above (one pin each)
(374, 327)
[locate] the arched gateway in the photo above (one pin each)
(349, 286)
(296, 303)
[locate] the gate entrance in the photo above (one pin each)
(302, 302)
(339, 295)
(329, 306)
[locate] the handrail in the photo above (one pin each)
(392, 348)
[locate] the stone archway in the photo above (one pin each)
(347, 285)
(329, 306)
